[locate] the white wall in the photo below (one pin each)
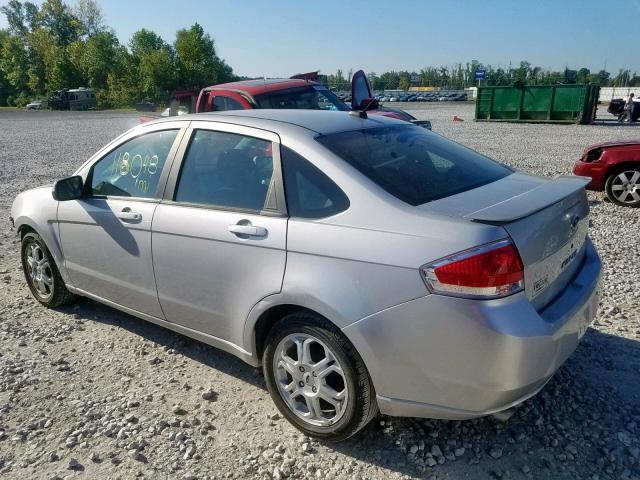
(609, 93)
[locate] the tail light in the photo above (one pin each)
(489, 271)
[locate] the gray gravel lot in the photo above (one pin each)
(89, 392)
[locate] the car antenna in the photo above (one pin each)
(362, 113)
(358, 113)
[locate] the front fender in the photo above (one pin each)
(36, 209)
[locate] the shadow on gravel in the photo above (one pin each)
(210, 356)
(586, 421)
(615, 123)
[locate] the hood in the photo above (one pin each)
(612, 143)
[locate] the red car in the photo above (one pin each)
(615, 168)
(298, 92)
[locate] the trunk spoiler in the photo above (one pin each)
(531, 201)
(422, 123)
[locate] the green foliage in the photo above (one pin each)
(60, 21)
(197, 62)
(90, 16)
(54, 46)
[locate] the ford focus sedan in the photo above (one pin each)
(365, 263)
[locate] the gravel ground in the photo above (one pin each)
(89, 392)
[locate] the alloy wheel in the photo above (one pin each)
(310, 379)
(626, 186)
(39, 270)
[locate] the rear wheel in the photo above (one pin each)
(623, 187)
(317, 379)
(41, 272)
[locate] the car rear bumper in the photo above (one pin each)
(595, 170)
(453, 358)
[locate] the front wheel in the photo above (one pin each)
(42, 274)
(317, 379)
(623, 188)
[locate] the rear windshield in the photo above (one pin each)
(306, 98)
(413, 164)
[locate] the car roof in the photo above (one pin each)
(259, 86)
(319, 121)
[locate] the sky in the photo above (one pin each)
(282, 37)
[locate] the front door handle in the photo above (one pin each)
(247, 230)
(128, 215)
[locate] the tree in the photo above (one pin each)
(390, 80)
(14, 62)
(16, 16)
(154, 60)
(197, 62)
(522, 73)
(90, 16)
(102, 55)
(60, 21)
(404, 81)
(583, 75)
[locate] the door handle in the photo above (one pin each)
(127, 214)
(248, 230)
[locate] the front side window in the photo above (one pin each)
(413, 164)
(310, 193)
(313, 97)
(225, 170)
(133, 169)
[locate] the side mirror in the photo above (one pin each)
(368, 104)
(70, 188)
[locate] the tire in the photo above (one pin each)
(623, 187)
(328, 351)
(42, 274)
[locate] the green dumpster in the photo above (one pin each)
(574, 103)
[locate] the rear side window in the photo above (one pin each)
(222, 103)
(133, 169)
(413, 164)
(226, 170)
(310, 193)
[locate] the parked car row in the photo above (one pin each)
(424, 97)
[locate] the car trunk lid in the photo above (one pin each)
(546, 219)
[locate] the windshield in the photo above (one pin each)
(413, 164)
(313, 97)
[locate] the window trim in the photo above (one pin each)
(157, 196)
(275, 192)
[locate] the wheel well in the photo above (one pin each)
(268, 319)
(618, 167)
(24, 229)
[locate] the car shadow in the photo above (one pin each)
(222, 361)
(614, 123)
(597, 390)
(101, 213)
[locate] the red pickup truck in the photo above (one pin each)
(299, 92)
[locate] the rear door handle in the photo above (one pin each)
(249, 230)
(128, 215)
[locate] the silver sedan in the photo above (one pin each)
(367, 264)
